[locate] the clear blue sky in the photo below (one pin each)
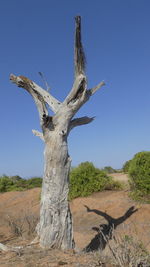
(38, 35)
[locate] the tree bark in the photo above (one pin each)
(55, 228)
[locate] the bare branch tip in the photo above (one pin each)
(39, 134)
(12, 77)
(78, 19)
(79, 56)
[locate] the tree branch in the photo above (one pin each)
(80, 121)
(79, 56)
(79, 93)
(79, 87)
(39, 134)
(44, 80)
(96, 88)
(28, 85)
(36, 91)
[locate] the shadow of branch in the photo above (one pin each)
(105, 231)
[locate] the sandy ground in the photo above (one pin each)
(89, 213)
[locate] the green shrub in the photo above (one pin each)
(86, 179)
(5, 183)
(139, 172)
(126, 166)
(140, 196)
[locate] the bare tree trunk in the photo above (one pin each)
(55, 229)
(55, 226)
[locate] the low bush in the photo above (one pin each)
(5, 183)
(86, 179)
(139, 172)
(140, 196)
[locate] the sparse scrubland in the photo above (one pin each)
(86, 179)
(123, 249)
(123, 246)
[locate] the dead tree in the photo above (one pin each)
(55, 227)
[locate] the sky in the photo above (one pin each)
(38, 36)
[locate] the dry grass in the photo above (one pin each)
(23, 226)
(124, 251)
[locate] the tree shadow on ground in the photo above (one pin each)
(105, 231)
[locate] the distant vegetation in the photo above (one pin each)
(109, 169)
(16, 183)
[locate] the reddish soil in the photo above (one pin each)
(14, 205)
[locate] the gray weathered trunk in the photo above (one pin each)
(55, 226)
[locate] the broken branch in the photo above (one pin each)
(44, 80)
(33, 89)
(96, 88)
(28, 85)
(8, 248)
(39, 134)
(80, 121)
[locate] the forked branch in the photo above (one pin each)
(79, 90)
(79, 87)
(74, 100)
